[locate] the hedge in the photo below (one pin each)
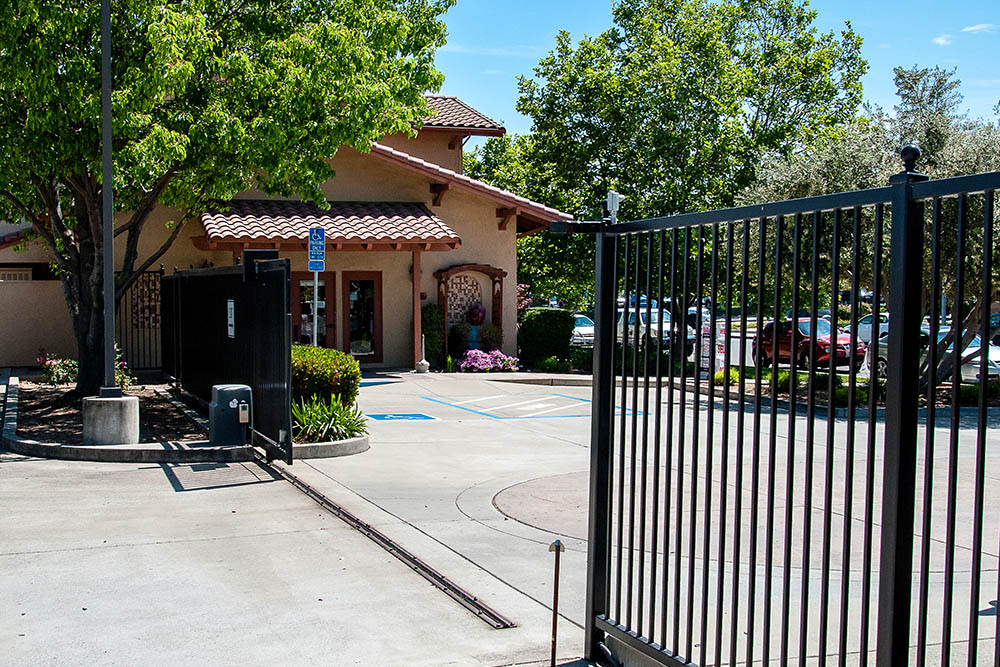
(322, 372)
(544, 333)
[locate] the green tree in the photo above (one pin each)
(865, 153)
(674, 106)
(211, 97)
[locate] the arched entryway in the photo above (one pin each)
(457, 291)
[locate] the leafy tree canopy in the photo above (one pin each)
(673, 106)
(211, 97)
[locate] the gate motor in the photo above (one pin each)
(229, 414)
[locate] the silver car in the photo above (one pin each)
(970, 369)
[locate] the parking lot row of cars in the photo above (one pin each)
(817, 347)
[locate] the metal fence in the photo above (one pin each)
(784, 506)
(233, 325)
(137, 322)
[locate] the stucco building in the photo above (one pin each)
(405, 227)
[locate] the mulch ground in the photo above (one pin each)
(50, 414)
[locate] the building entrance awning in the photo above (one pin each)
(283, 224)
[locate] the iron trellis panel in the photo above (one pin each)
(683, 468)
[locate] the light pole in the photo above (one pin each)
(109, 418)
(109, 388)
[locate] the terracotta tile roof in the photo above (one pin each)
(12, 238)
(451, 112)
(525, 207)
(345, 222)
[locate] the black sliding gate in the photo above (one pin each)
(233, 325)
(805, 513)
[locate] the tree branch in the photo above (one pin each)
(148, 202)
(129, 279)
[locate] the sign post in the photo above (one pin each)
(317, 263)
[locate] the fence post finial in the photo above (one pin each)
(910, 154)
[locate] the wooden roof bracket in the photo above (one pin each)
(438, 190)
(505, 215)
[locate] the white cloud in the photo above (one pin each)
(979, 27)
(942, 40)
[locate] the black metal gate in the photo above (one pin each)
(137, 322)
(781, 505)
(233, 325)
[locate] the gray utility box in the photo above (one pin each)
(229, 414)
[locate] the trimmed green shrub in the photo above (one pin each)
(544, 332)
(734, 377)
(322, 372)
(319, 420)
(553, 365)
(432, 326)
(490, 337)
(582, 359)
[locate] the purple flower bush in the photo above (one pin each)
(477, 361)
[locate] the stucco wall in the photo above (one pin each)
(360, 177)
(430, 146)
(33, 315)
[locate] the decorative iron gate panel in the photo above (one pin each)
(137, 322)
(764, 499)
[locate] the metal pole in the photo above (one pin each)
(108, 389)
(900, 449)
(558, 548)
(315, 305)
(599, 530)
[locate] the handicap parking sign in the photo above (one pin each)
(317, 249)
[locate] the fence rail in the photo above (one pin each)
(735, 517)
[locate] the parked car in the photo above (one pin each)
(826, 345)
(583, 331)
(879, 354)
(651, 328)
(865, 325)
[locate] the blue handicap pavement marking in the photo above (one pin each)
(401, 417)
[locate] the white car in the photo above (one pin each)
(865, 327)
(583, 331)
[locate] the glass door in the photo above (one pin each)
(302, 309)
(363, 315)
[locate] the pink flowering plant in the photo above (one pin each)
(64, 371)
(56, 370)
(477, 361)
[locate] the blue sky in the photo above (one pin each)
(491, 42)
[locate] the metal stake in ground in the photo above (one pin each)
(557, 547)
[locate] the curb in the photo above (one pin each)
(168, 452)
(312, 450)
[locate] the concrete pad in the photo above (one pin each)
(121, 564)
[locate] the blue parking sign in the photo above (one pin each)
(317, 249)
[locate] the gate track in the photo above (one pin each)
(482, 611)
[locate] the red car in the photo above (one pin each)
(763, 344)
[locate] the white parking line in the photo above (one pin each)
(514, 405)
(476, 400)
(561, 407)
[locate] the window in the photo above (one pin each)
(15, 275)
